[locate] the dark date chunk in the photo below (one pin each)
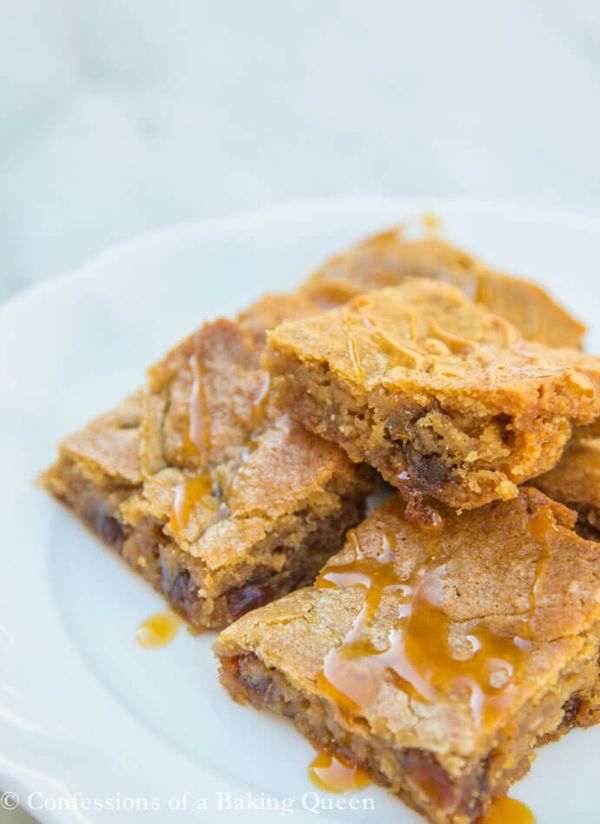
(571, 709)
(253, 596)
(180, 590)
(430, 470)
(106, 526)
(253, 676)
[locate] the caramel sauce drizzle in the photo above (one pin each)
(541, 527)
(188, 494)
(416, 653)
(506, 810)
(158, 630)
(198, 435)
(335, 774)
(193, 488)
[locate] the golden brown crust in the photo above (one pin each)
(503, 577)
(420, 369)
(255, 497)
(111, 442)
(387, 258)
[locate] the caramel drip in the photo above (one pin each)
(542, 526)
(375, 574)
(335, 774)
(506, 810)
(417, 652)
(198, 436)
(188, 494)
(158, 630)
(193, 488)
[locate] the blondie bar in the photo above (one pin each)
(441, 396)
(388, 258)
(435, 659)
(214, 496)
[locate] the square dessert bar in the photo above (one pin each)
(435, 659)
(389, 258)
(442, 397)
(575, 482)
(209, 492)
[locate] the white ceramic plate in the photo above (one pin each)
(88, 719)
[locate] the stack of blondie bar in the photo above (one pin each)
(437, 642)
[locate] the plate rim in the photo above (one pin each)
(288, 210)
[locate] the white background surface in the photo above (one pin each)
(118, 116)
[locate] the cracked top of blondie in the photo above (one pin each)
(203, 452)
(221, 464)
(437, 639)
